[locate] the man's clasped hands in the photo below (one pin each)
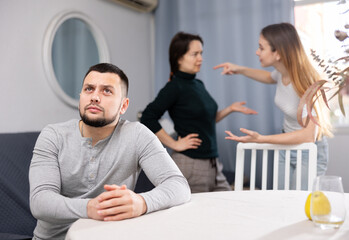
(117, 203)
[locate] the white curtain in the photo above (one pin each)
(230, 30)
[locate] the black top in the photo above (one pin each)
(191, 109)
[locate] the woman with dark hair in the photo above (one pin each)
(194, 114)
(280, 47)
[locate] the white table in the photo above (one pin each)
(220, 215)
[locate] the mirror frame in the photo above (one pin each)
(57, 21)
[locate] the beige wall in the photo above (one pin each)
(28, 102)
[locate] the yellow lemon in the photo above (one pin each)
(321, 205)
(307, 206)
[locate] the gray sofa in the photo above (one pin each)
(15, 155)
(16, 220)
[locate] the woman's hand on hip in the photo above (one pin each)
(191, 141)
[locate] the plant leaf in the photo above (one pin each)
(346, 58)
(307, 99)
(337, 92)
(340, 101)
(310, 115)
(323, 94)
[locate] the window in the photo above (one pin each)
(316, 22)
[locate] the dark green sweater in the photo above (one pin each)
(191, 109)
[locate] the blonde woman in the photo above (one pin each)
(280, 47)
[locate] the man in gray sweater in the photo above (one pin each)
(88, 168)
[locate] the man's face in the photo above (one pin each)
(102, 100)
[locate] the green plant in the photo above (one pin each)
(338, 79)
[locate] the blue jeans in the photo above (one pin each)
(322, 161)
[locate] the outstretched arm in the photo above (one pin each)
(297, 137)
(234, 107)
(259, 75)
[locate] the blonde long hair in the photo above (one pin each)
(284, 39)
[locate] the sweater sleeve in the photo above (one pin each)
(46, 202)
(171, 187)
(165, 99)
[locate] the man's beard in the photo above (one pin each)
(99, 122)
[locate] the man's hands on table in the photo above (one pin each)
(117, 203)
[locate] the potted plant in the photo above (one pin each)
(335, 86)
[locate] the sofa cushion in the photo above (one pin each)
(16, 150)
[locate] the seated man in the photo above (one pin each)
(88, 168)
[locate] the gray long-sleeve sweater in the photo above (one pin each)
(67, 171)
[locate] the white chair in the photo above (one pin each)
(240, 159)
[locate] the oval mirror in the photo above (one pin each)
(72, 44)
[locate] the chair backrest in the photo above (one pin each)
(240, 159)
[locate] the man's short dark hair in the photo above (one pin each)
(110, 68)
